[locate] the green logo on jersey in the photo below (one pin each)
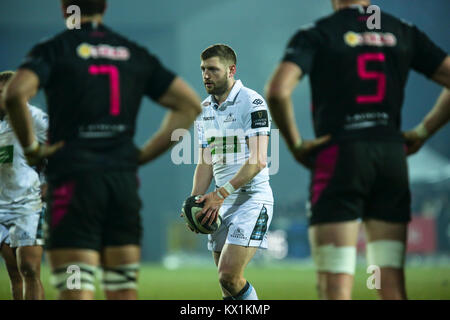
(6, 154)
(223, 145)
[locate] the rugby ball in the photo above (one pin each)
(190, 210)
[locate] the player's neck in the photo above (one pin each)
(2, 114)
(346, 4)
(221, 98)
(98, 18)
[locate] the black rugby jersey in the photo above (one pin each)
(94, 80)
(358, 75)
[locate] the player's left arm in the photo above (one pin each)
(256, 162)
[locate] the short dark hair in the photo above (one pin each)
(222, 51)
(5, 76)
(87, 7)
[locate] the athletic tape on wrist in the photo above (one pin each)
(219, 194)
(229, 187)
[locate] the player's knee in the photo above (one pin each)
(386, 254)
(336, 260)
(73, 278)
(29, 270)
(121, 280)
(228, 280)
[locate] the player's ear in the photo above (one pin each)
(64, 10)
(232, 70)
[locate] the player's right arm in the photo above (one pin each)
(297, 62)
(203, 173)
(202, 176)
(184, 105)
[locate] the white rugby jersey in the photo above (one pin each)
(224, 130)
(19, 183)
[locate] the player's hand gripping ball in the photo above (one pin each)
(190, 211)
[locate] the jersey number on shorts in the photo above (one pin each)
(114, 85)
(380, 77)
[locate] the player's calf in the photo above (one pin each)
(16, 282)
(13, 272)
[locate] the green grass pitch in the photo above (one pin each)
(271, 282)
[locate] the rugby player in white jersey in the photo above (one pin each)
(234, 129)
(21, 208)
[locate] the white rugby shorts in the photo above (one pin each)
(245, 225)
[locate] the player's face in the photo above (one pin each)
(215, 75)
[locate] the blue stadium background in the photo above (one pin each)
(177, 31)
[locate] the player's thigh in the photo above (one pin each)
(234, 258)
(63, 257)
(338, 234)
(383, 230)
(121, 255)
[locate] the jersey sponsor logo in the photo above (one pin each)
(87, 51)
(6, 154)
(258, 102)
(260, 119)
(230, 118)
(206, 104)
(223, 145)
(208, 118)
(375, 39)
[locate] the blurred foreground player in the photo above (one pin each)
(21, 209)
(94, 80)
(234, 130)
(357, 79)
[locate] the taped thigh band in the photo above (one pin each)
(329, 258)
(74, 276)
(386, 253)
(120, 277)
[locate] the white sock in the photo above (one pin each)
(247, 293)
